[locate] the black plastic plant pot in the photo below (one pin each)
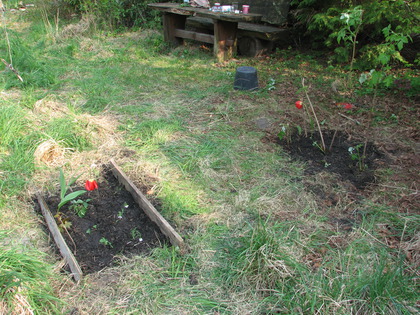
(246, 79)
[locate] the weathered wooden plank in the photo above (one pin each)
(224, 34)
(172, 22)
(59, 240)
(147, 207)
(263, 32)
(201, 37)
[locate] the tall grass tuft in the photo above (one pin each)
(264, 258)
(24, 287)
(12, 124)
(72, 132)
(32, 68)
(16, 148)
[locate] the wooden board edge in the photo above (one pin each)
(65, 251)
(147, 207)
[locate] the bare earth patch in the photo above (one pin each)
(357, 167)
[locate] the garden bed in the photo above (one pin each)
(354, 161)
(119, 221)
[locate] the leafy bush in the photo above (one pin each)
(115, 14)
(322, 23)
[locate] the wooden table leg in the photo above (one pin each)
(171, 22)
(225, 41)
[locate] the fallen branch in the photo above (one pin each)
(13, 69)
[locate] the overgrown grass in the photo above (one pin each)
(16, 150)
(362, 276)
(259, 240)
(24, 285)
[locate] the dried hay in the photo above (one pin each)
(105, 138)
(11, 95)
(146, 175)
(102, 129)
(80, 28)
(17, 306)
(96, 49)
(50, 108)
(412, 251)
(50, 153)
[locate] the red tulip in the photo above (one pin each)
(91, 185)
(299, 104)
(345, 105)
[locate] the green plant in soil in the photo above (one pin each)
(80, 206)
(89, 230)
(121, 212)
(286, 132)
(382, 76)
(105, 242)
(357, 154)
(64, 187)
(353, 20)
(135, 234)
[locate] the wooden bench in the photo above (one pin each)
(253, 39)
(225, 27)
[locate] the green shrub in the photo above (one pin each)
(321, 22)
(114, 14)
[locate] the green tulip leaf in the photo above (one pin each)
(70, 197)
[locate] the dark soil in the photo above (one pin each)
(113, 225)
(337, 158)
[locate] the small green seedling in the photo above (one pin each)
(286, 132)
(89, 230)
(136, 235)
(319, 146)
(105, 242)
(282, 134)
(80, 206)
(121, 212)
(358, 155)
